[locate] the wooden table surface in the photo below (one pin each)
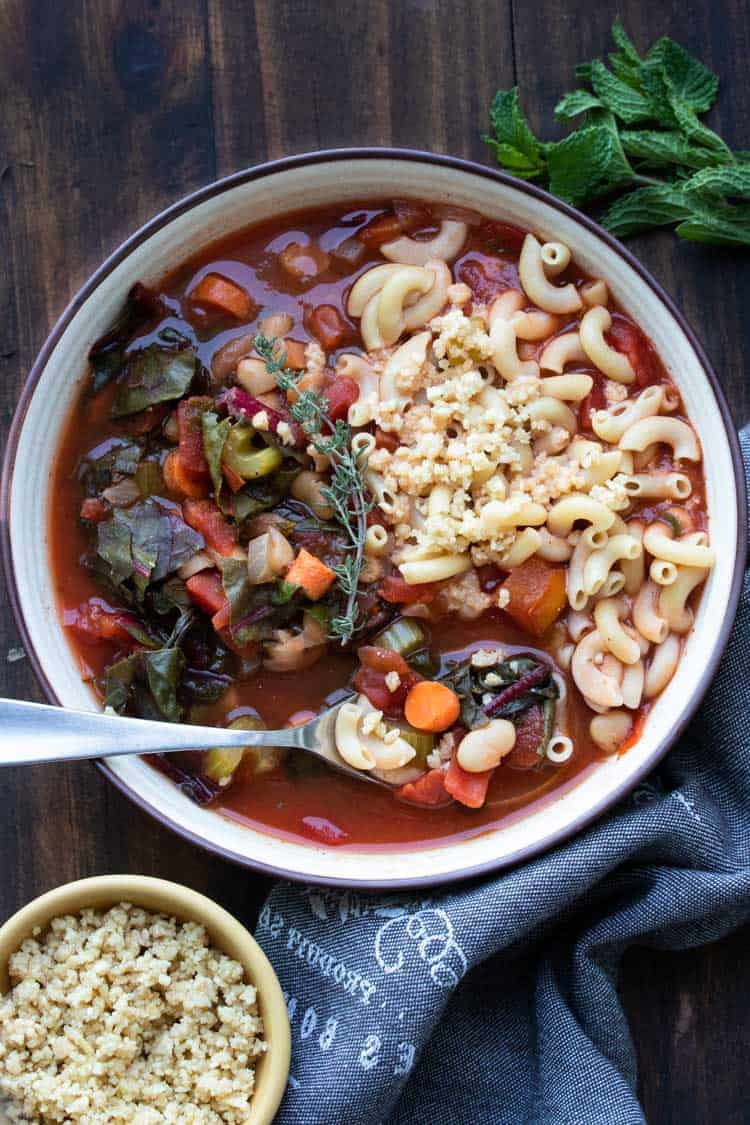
(108, 112)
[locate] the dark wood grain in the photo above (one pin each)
(110, 111)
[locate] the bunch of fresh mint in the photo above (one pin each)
(641, 140)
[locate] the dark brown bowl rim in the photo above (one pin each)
(374, 153)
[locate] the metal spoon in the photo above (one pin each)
(36, 732)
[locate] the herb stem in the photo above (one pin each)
(346, 493)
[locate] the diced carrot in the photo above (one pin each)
(177, 480)
(207, 592)
(94, 510)
(536, 593)
(205, 517)
(432, 706)
(468, 789)
(429, 789)
(192, 454)
(294, 354)
(312, 575)
(328, 326)
(394, 588)
(223, 295)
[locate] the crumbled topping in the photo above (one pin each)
(392, 681)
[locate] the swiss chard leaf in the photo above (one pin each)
(154, 374)
(480, 689)
(236, 583)
(215, 434)
(107, 354)
(107, 463)
(119, 681)
(163, 671)
(265, 493)
(145, 543)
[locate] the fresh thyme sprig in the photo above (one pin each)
(347, 493)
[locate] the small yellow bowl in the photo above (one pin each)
(225, 932)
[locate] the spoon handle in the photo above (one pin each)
(36, 732)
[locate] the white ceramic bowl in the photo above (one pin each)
(337, 177)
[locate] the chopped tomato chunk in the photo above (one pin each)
(536, 593)
(628, 338)
(594, 400)
(94, 510)
(505, 235)
(488, 278)
(192, 455)
(385, 440)
(429, 789)
(370, 679)
(382, 229)
(328, 326)
(207, 592)
(340, 395)
(222, 295)
(205, 517)
(529, 733)
(468, 789)
(95, 621)
(394, 588)
(383, 660)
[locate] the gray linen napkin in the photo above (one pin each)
(497, 1001)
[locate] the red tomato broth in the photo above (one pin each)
(288, 801)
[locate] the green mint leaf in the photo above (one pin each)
(663, 148)
(575, 102)
(620, 98)
(731, 180)
(588, 164)
(514, 144)
(625, 62)
(687, 77)
(694, 129)
(645, 209)
(722, 229)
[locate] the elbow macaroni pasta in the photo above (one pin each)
(522, 466)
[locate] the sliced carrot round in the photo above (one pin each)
(432, 706)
